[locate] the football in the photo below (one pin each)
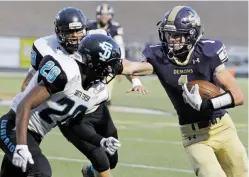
(207, 90)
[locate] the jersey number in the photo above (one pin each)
(107, 47)
(67, 104)
(54, 71)
(183, 80)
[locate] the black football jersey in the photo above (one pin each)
(201, 64)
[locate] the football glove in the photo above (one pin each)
(110, 145)
(22, 156)
(193, 98)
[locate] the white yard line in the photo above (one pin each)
(120, 164)
(141, 140)
(134, 139)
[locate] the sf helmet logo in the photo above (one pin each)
(107, 48)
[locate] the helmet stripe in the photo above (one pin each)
(105, 8)
(172, 15)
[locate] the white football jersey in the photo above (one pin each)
(49, 45)
(62, 77)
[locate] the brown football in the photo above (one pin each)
(207, 90)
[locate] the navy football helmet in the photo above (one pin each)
(70, 28)
(179, 30)
(102, 55)
(104, 14)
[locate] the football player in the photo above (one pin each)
(70, 28)
(63, 88)
(104, 20)
(208, 133)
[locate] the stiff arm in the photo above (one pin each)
(137, 68)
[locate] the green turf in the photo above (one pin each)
(149, 140)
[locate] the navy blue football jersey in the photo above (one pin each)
(113, 28)
(201, 64)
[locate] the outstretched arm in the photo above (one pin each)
(137, 68)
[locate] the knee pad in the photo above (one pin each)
(99, 160)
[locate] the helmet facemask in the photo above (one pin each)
(70, 38)
(106, 71)
(104, 18)
(178, 42)
(101, 71)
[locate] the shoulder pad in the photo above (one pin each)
(52, 74)
(215, 51)
(68, 65)
(44, 44)
(151, 51)
(211, 47)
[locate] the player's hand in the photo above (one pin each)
(22, 157)
(110, 145)
(193, 97)
(139, 89)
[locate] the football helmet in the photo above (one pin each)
(102, 55)
(70, 27)
(104, 14)
(179, 30)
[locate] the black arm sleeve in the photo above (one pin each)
(52, 74)
(35, 57)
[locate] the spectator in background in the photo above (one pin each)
(104, 20)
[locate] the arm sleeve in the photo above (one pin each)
(35, 57)
(52, 74)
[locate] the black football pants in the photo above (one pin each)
(41, 166)
(92, 125)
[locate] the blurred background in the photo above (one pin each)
(25, 21)
(148, 127)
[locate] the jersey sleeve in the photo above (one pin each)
(52, 74)
(219, 56)
(35, 57)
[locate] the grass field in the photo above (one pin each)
(151, 144)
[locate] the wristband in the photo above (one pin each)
(136, 82)
(222, 101)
